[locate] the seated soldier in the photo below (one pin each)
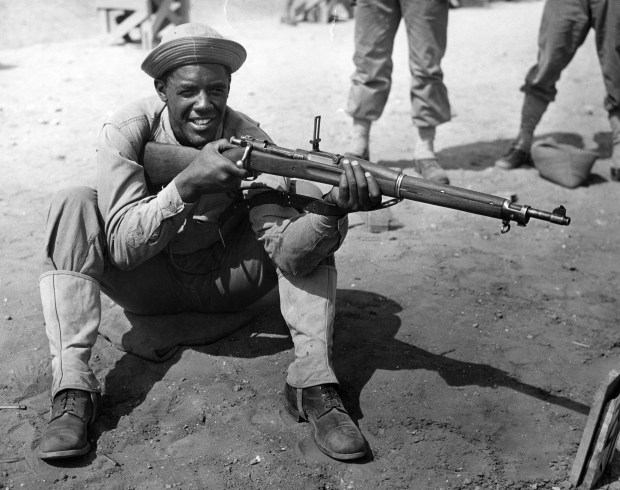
(166, 251)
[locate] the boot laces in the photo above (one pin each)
(65, 402)
(331, 398)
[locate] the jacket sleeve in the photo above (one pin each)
(137, 225)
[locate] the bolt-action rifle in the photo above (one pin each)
(316, 165)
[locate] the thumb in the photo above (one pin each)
(222, 145)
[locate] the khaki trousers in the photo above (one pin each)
(220, 279)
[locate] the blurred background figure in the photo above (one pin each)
(316, 11)
(564, 27)
(288, 16)
(376, 23)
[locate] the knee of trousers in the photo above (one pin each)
(545, 93)
(72, 207)
(73, 196)
(74, 225)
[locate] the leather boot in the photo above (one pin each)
(66, 435)
(334, 432)
(519, 153)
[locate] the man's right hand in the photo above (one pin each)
(209, 173)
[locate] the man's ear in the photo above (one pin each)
(160, 88)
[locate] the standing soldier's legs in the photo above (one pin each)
(563, 29)
(376, 23)
(606, 20)
(427, 24)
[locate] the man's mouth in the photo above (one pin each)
(200, 124)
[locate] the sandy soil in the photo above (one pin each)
(468, 358)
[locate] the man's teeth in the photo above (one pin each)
(201, 121)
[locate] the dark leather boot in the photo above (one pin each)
(334, 432)
(66, 435)
(515, 158)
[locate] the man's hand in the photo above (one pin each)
(357, 191)
(209, 173)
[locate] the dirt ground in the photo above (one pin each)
(469, 358)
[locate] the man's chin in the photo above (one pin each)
(198, 140)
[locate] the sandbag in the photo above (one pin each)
(563, 164)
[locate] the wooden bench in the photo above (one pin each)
(120, 17)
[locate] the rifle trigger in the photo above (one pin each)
(505, 226)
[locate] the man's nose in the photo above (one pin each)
(203, 101)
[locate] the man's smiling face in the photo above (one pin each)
(196, 96)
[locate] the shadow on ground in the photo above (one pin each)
(364, 341)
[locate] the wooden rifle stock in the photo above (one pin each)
(163, 162)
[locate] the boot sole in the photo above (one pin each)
(69, 453)
(294, 413)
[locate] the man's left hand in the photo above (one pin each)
(357, 191)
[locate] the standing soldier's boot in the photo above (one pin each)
(72, 310)
(519, 154)
(425, 160)
(360, 139)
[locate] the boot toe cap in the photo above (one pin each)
(346, 441)
(337, 436)
(63, 437)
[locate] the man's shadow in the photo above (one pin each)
(364, 341)
(481, 155)
(133, 376)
